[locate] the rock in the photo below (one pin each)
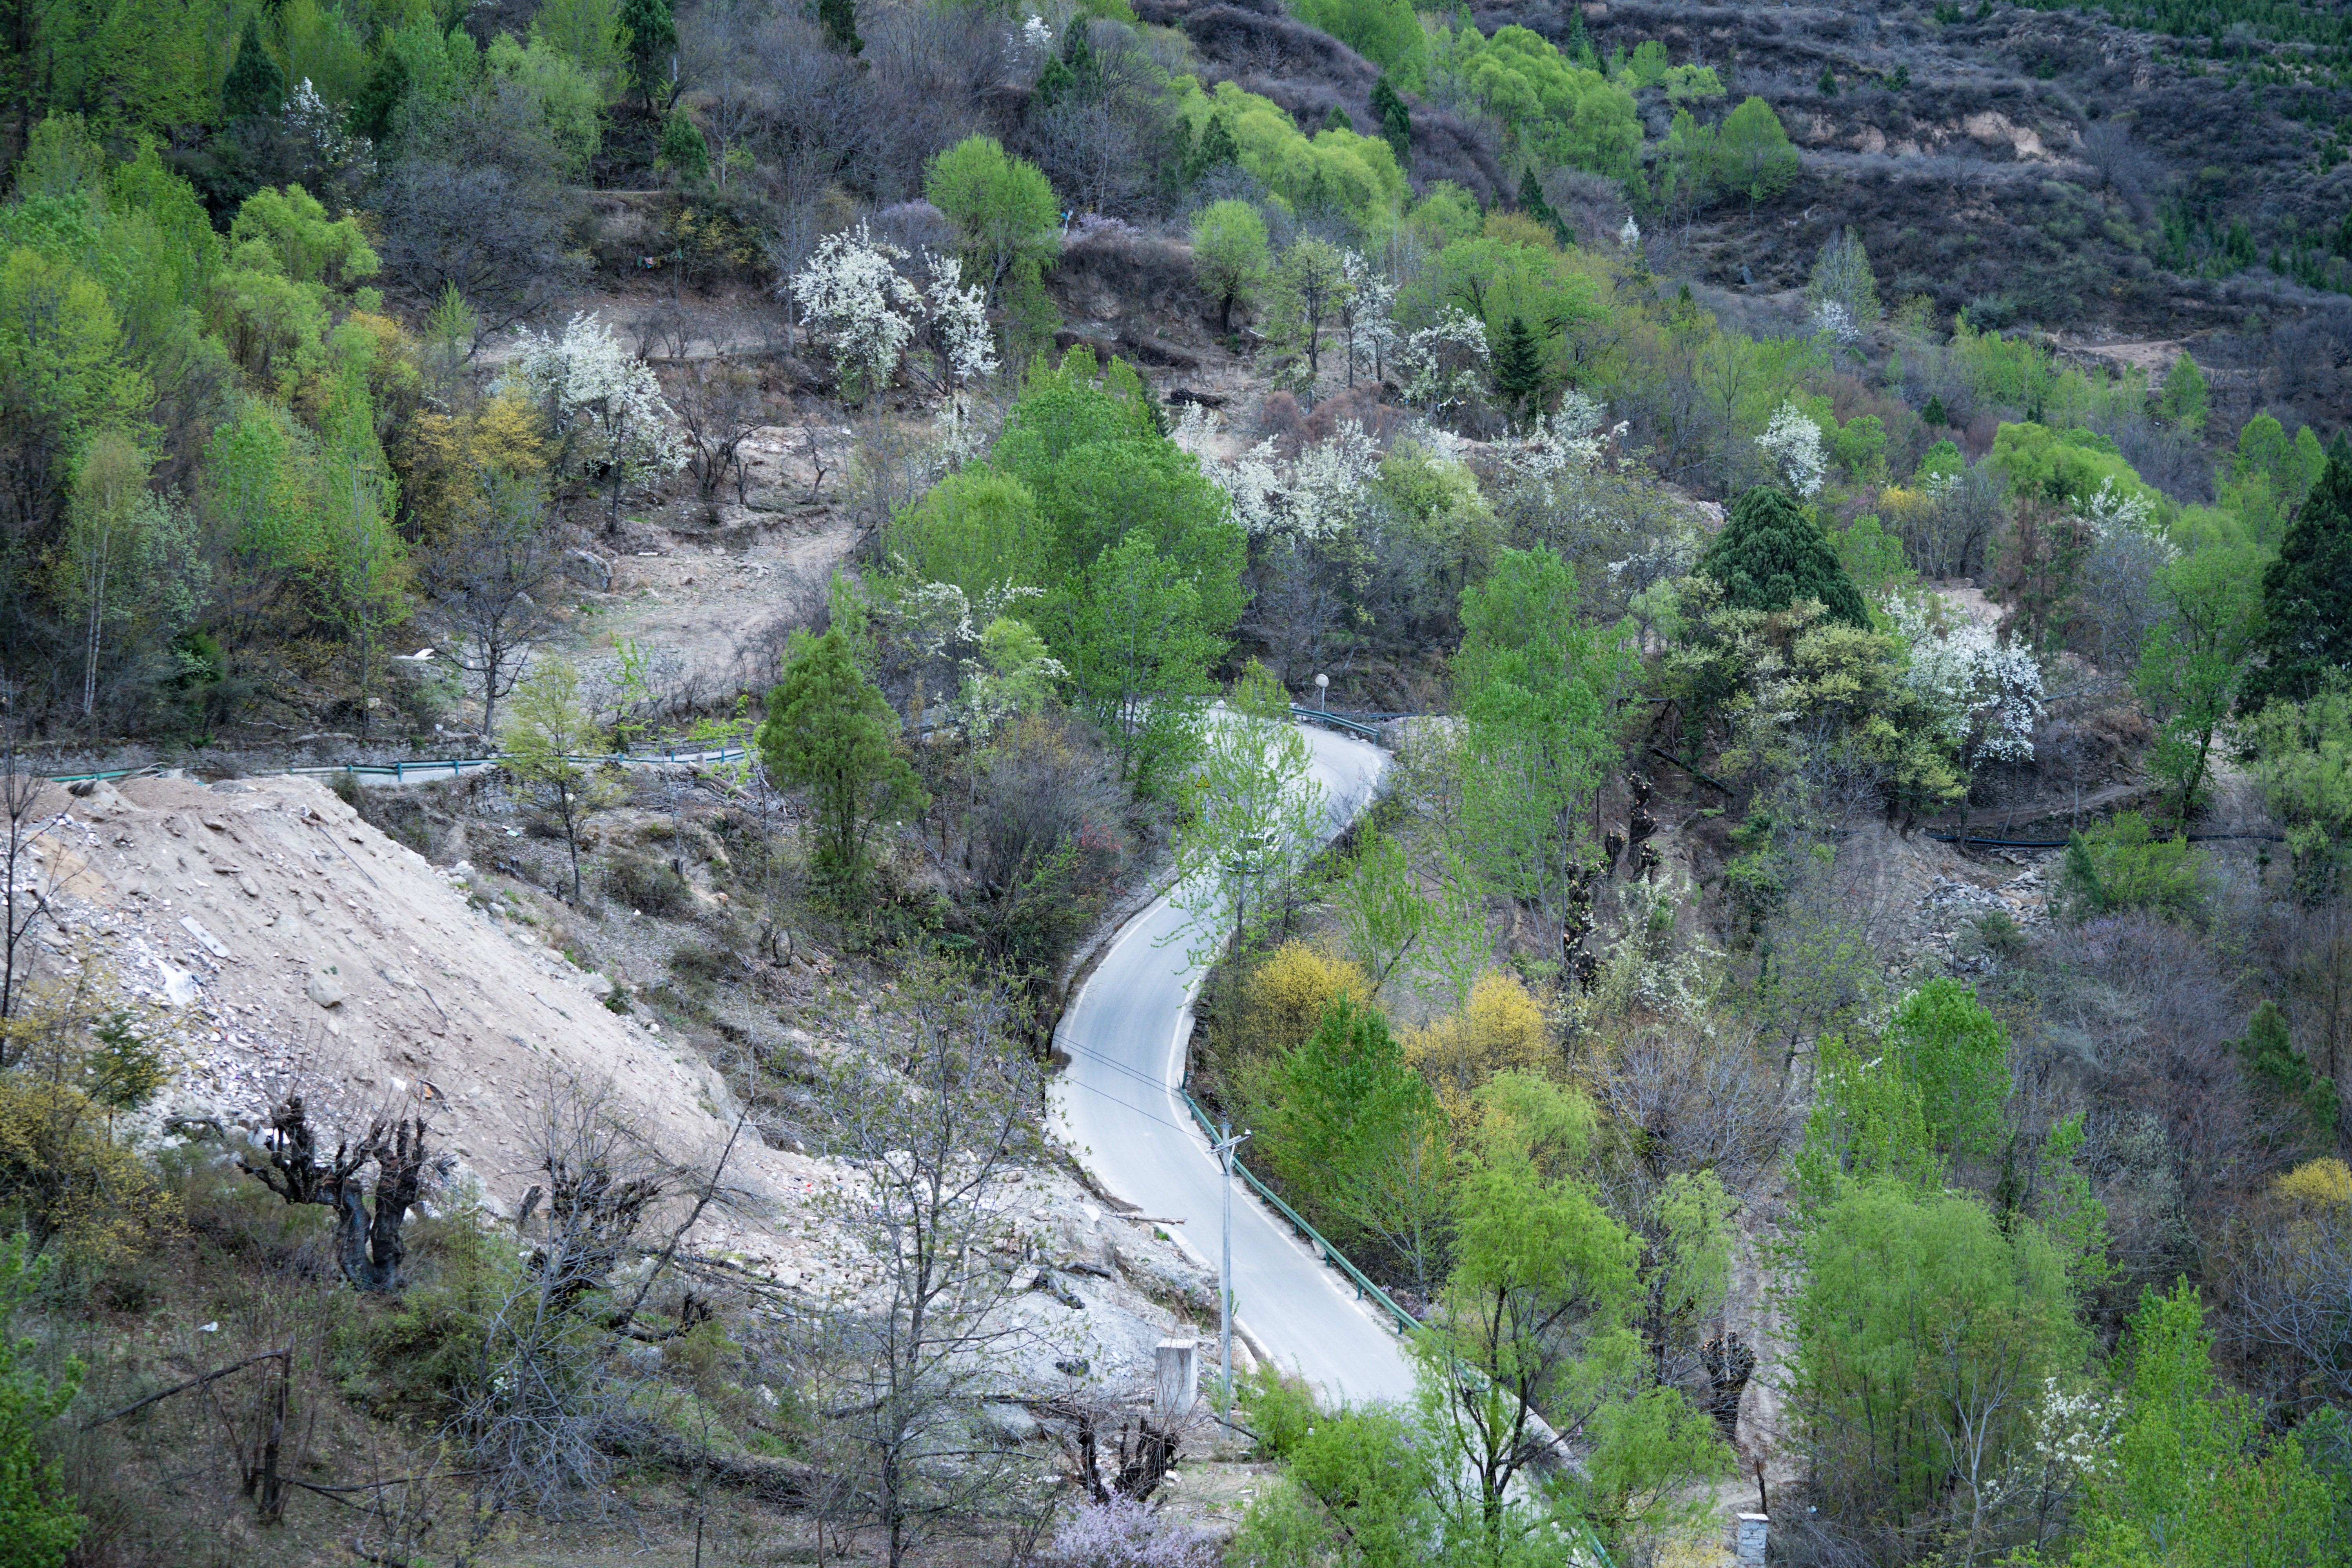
(589, 570)
(327, 990)
(178, 985)
(1007, 1424)
(598, 986)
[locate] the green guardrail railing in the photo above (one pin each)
(427, 769)
(1337, 722)
(1365, 1289)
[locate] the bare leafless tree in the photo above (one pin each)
(935, 1103)
(368, 1245)
(31, 874)
(719, 405)
(488, 578)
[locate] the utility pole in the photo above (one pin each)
(1223, 1149)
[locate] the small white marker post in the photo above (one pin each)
(1223, 1149)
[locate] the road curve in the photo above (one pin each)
(1116, 1107)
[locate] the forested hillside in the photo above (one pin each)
(1833, 525)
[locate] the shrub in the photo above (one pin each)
(2123, 867)
(1286, 994)
(648, 887)
(39, 1523)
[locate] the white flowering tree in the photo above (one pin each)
(602, 406)
(1985, 695)
(1325, 494)
(1252, 482)
(1792, 444)
(855, 290)
(2114, 513)
(1367, 316)
(1444, 364)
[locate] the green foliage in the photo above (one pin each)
(2307, 594)
(1385, 32)
(1535, 682)
(1771, 556)
(1356, 177)
(1872, 557)
(839, 19)
(830, 732)
(2304, 762)
(2189, 1477)
(1943, 1041)
(1753, 156)
(2063, 467)
(549, 731)
(255, 85)
(648, 33)
(586, 32)
(1356, 1132)
(2123, 866)
(979, 529)
(1230, 257)
(2184, 400)
(1867, 1123)
(1920, 1315)
(1006, 219)
(1138, 650)
(1496, 281)
(1395, 117)
(2194, 660)
(570, 96)
(39, 1522)
(684, 152)
(1518, 366)
(1554, 109)
(2271, 1060)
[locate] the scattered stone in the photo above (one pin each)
(327, 990)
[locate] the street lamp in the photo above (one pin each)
(1323, 693)
(1223, 1149)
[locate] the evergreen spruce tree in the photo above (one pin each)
(2307, 594)
(1395, 117)
(2272, 1061)
(830, 732)
(377, 104)
(651, 32)
(1216, 149)
(1518, 366)
(684, 151)
(1533, 203)
(255, 86)
(1771, 556)
(839, 20)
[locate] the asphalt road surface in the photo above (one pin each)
(1115, 1106)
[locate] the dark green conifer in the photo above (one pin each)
(1518, 366)
(255, 86)
(839, 20)
(2307, 592)
(1771, 556)
(1395, 117)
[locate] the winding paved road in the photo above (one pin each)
(1115, 1106)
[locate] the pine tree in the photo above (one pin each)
(1216, 150)
(684, 151)
(1534, 204)
(830, 732)
(651, 31)
(1518, 365)
(2272, 1061)
(2307, 594)
(255, 86)
(839, 20)
(1771, 556)
(1395, 117)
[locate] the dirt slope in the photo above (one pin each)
(302, 949)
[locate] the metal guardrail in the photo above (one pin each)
(1338, 722)
(1365, 1289)
(429, 768)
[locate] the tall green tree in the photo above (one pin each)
(1229, 256)
(255, 86)
(2194, 660)
(549, 731)
(1138, 653)
(649, 42)
(1770, 554)
(1005, 215)
(1948, 1044)
(2182, 401)
(1518, 366)
(1535, 683)
(1923, 1333)
(2307, 594)
(831, 731)
(1357, 1134)
(1752, 152)
(2192, 1478)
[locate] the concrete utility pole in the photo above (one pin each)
(1223, 1149)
